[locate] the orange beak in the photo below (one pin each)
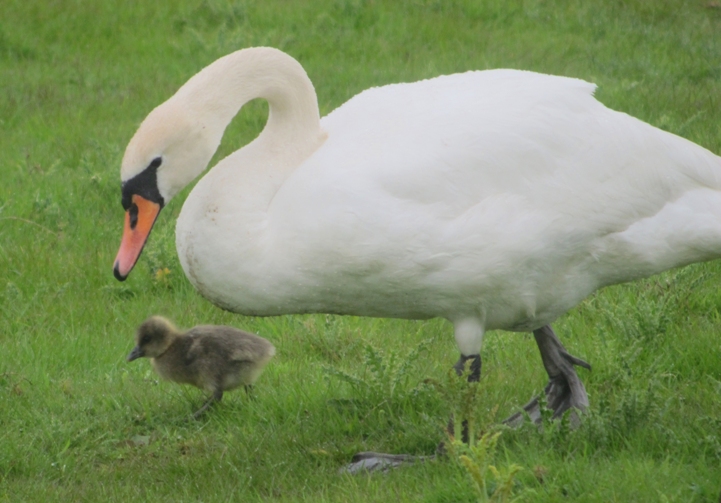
(139, 220)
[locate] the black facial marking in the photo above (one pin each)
(144, 184)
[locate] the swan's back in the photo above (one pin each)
(496, 185)
(518, 124)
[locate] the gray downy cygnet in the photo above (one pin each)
(214, 358)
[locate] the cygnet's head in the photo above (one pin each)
(153, 338)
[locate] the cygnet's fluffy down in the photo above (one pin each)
(214, 358)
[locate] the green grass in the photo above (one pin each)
(77, 423)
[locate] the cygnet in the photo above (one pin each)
(215, 358)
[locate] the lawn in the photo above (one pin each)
(78, 423)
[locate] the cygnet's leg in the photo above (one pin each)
(249, 391)
(217, 396)
(564, 389)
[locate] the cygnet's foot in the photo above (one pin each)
(564, 390)
(215, 397)
(378, 462)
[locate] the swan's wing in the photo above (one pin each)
(501, 154)
(504, 181)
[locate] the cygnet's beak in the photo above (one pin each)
(135, 354)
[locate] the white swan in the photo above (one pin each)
(495, 199)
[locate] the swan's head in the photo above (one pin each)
(171, 147)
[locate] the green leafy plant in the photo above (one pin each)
(491, 483)
(386, 378)
(477, 455)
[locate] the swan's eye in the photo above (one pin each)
(133, 213)
(155, 163)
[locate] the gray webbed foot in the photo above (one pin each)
(379, 462)
(564, 390)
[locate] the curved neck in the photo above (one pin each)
(215, 95)
(245, 183)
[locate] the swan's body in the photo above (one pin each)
(496, 199)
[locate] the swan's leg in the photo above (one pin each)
(474, 376)
(469, 336)
(564, 390)
(474, 367)
(217, 396)
(373, 461)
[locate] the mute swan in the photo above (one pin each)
(495, 199)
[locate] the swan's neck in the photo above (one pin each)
(221, 89)
(223, 225)
(207, 103)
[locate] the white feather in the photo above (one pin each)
(495, 199)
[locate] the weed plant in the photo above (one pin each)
(472, 438)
